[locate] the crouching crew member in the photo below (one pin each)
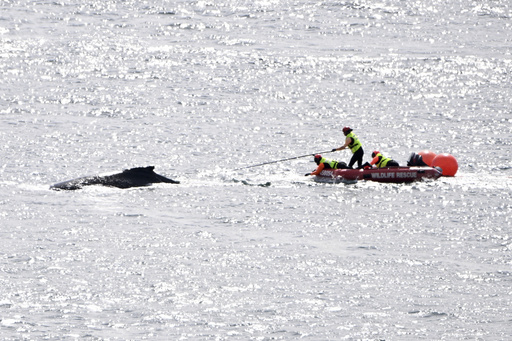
(380, 160)
(324, 163)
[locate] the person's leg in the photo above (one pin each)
(341, 165)
(357, 156)
(360, 154)
(352, 161)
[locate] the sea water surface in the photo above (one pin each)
(199, 89)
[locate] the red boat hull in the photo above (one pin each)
(386, 174)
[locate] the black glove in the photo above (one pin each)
(307, 174)
(333, 150)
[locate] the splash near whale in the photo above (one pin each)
(134, 177)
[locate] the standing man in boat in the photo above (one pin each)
(380, 160)
(352, 142)
(324, 163)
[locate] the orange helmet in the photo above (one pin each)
(318, 157)
(375, 152)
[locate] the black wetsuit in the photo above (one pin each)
(357, 156)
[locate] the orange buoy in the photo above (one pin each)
(447, 163)
(427, 156)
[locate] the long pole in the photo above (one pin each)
(290, 158)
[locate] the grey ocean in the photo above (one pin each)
(201, 88)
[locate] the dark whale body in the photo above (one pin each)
(134, 177)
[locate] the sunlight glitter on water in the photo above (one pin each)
(201, 89)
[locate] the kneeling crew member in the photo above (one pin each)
(324, 163)
(380, 160)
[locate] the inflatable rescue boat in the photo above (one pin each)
(386, 174)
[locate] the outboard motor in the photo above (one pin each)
(416, 160)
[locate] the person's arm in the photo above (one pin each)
(348, 140)
(318, 169)
(374, 160)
